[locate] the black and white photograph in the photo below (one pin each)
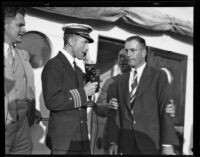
(99, 80)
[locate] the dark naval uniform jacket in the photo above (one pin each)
(65, 97)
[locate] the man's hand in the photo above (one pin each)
(168, 150)
(8, 122)
(113, 149)
(90, 88)
(113, 104)
(38, 116)
(170, 108)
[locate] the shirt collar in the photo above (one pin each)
(70, 58)
(139, 70)
(5, 47)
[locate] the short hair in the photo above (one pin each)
(66, 37)
(121, 52)
(12, 11)
(141, 41)
(137, 38)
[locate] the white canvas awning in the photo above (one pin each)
(145, 17)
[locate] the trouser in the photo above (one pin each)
(134, 151)
(143, 145)
(55, 151)
(106, 152)
(73, 150)
(18, 138)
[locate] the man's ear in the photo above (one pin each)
(144, 53)
(70, 41)
(5, 24)
(7, 21)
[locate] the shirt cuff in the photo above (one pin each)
(166, 145)
(111, 143)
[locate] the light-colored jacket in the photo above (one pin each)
(10, 87)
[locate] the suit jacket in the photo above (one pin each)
(101, 105)
(101, 108)
(149, 122)
(10, 88)
(65, 97)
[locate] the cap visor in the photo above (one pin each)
(90, 40)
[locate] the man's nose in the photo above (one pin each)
(128, 53)
(23, 30)
(86, 47)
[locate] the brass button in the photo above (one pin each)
(131, 111)
(70, 98)
(134, 122)
(81, 122)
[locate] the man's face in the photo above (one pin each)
(123, 62)
(135, 53)
(79, 47)
(14, 29)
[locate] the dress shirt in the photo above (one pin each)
(6, 46)
(139, 73)
(70, 58)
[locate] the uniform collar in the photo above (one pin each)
(70, 58)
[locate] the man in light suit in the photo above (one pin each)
(18, 84)
(65, 94)
(140, 125)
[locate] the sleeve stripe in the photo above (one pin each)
(79, 98)
(74, 97)
(77, 102)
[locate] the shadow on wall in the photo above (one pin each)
(44, 111)
(39, 131)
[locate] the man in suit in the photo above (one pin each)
(65, 94)
(102, 107)
(141, 124)
(19, 88)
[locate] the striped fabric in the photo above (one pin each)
(133, 87)
(76, 98)
(10, 55)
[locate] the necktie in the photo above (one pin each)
(133, 87)
(75, 66)
(10, 55)
(75, 69)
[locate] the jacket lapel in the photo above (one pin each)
(6, 63)
(28, 72)
(8, 70)
(144, 81)
(22, 59)
(80, 77)
(64, 60)
(66, 65)
(124, 88)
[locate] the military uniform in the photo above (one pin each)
(65, 97)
